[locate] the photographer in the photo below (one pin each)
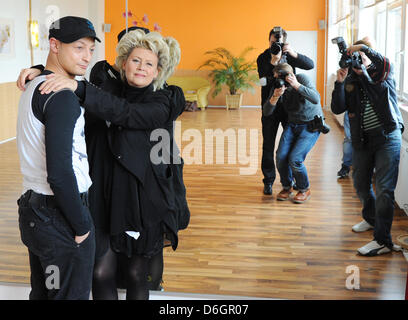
(376, 124)
(297, 96)
(266, 62)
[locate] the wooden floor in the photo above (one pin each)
(240, 242)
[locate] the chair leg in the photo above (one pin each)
(200, 105)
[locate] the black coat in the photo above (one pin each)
(134, 117)
(382, 93)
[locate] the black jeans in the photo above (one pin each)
(382, 152)
(60, 268)
(270, 127)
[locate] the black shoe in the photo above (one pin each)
(268, 188)
(344, 172)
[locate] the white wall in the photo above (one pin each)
(97, 16)
(18, 12)
(305, 42)
(43, 11)
(333, 57)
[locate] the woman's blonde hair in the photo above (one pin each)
(167, 50)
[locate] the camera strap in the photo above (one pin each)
(364, 69)
(387, 69)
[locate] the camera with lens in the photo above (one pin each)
(277, 46)
(275, 83)
(318, 124)
(346, 61)
(280, 81)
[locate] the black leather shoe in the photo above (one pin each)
(344, 172)
(268, 188)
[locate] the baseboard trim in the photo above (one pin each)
(7, 140)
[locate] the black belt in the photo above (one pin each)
(379, 131)
(38, 200)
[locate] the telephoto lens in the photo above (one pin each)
(275, 48)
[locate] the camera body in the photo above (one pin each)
(277, 46)
(346, 61)
(318, 124)
(276, 83)
(280, 81)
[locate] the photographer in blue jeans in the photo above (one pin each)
(299, 98)
(376, 125)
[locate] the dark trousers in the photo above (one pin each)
(382, 152)
(270, 127)
(60, 268)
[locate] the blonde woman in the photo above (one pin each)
(146, 204)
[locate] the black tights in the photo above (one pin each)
(155, 271)
(104, 285)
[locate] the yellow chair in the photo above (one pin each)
(194, 88)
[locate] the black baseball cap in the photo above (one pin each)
(69, 29)
(123, 32)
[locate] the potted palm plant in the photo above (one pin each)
(235, 72)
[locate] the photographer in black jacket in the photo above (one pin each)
(266, 62)
(375, 121)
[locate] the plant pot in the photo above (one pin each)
(234, 101)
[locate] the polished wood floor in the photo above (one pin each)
(240, 242)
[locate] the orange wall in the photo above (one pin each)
(234, 24)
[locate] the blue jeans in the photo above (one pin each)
(347, 147)
(295, 143)
(382, 152)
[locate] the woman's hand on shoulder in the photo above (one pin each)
(57, 82)
(26, 75)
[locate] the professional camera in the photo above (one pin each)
(277, 46)
(280, 81)
(275, 83)
(317, 124)
(346, 61)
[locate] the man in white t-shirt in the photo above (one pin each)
(54, 218)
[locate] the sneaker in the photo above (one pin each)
(343, 172)
(373, 248)
(302, 197)
(362, 226)
(396, 248)
(268, 188)
(285, 194)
